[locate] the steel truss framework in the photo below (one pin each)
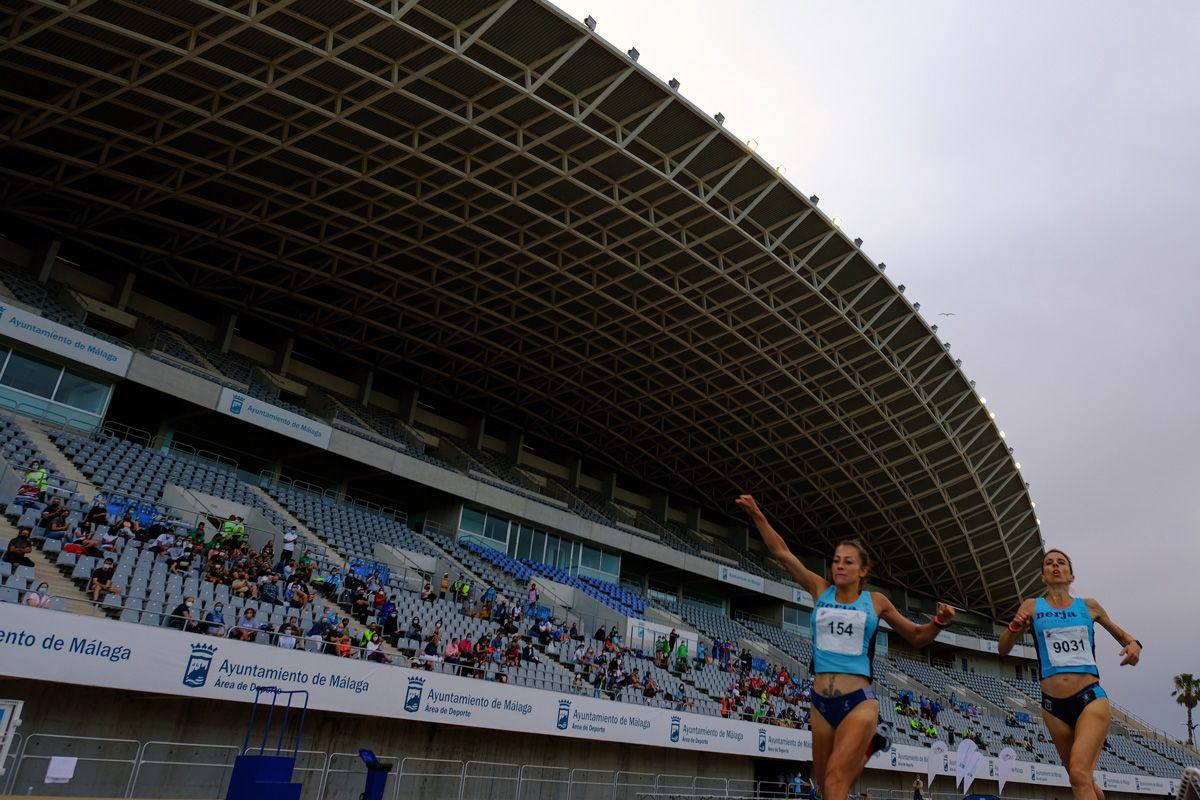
(490, 200)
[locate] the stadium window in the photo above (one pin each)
(471, 521)
(31, 375)
(590, 559)
(496, 529)
(82, 393)
(552, 545)
(524, 542)
(611, 563)
(538, 549)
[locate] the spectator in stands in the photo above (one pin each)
(107, 540)
(40, 597)
(181, 616)
(430, 655)
(51, 512)
(917, 786)
(289, 544)
(1011, 720)
(529, 654)
(512, 654)
(950, 736)
(427, 593)
(339, 638)
(102, 577)
(19, 548)
(214, 620)
(577, 684)
(268, 588)
(289, 635)
(241, 586)
(37, 476)
(247, 626)
(533, 596)
(445, 586)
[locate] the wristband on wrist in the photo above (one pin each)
(938, 622)
(1014, 630)
(1139, 644)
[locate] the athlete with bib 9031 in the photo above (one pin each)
(845, 719)
(1074, 707)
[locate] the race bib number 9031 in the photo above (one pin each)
(1069, 647)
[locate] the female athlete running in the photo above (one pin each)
(1074, 707)
(845, 719)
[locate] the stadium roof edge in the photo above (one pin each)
(496, 204)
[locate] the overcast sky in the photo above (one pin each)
(1034, 169)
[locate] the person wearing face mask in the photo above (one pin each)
(39, 598)
(215, 620)
(181, 618)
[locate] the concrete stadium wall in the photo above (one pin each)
(62, 710)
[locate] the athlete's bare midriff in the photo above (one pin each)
(836, 684)
(1065, 684)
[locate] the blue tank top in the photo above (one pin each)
(1065, 638)
(844, 634)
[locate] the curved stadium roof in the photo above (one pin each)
(491, 201)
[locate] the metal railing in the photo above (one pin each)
(175, 769)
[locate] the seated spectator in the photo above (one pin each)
(650, 690)
(38, 476)
(414, 630)
(50, 512)
(528, 654)
(247, 626)
(268, 588)
(512, 655)
(289, 636)
(214, 620)
(19, 548)
(163, 542)
(427, 593)
(102, 580)
(58, 526)
(450, 651)
(40, 597)
(181, 616)
(241, 586)
(577, 684)
(430, 655)
(376, 654)
(107, 541)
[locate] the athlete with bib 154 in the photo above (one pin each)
(845, 719)
(1074, 707)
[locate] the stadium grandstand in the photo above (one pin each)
(411, 354)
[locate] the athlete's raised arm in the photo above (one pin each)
(917, 635)
(812, 583)
(1131, 651)
(1020, 622)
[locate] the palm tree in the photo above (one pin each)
(1187, 694)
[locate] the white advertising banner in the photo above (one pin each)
(68, 648)
(54, 337)
(273, 418)
(801, 597)
(742, 579)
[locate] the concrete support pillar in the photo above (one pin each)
(608, 486)
(283, 356)
(574, 472)
(225, 333)
(516, 446)
(408, 406)
(44, 258)
(660, 504)
(123, 292)
(739, 537)
(475, 430)
(365, 387)
(693, 517)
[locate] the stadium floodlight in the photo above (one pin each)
(900, 288)
(1001, 434)
(752, 144)
(590, 21)
(720, 118)
(1017, 464)
(882, 266)
(933, 328)
(1032, 504)
(781, 169)
(972, 384)
(916, 306)
(983, 400)
(991, 415)
(858, 242)
(812, 198)
(673, 83)
(958, 362)
(837, 222)
(633, 53)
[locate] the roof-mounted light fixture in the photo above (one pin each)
(674, 84)
(633, 53)
(720, 118)
(590, 21)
